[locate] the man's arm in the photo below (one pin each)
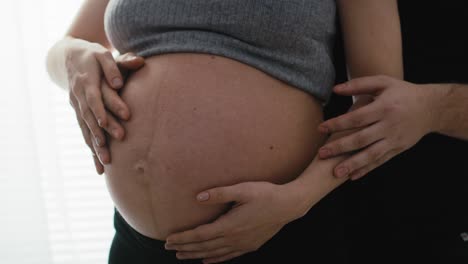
(452, 109)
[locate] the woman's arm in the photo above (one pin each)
(87, 27)
(262, 209)
(372, 42)
(77, 63)
(372, 37)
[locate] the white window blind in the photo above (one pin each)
(55, 208)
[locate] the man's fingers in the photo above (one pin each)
(363, 171)
(114, 128)
(110, 69)
(204, 254)
(361, 117)
(352, 142)
(364, 85)
(361, 159)
(223, 258)
(114, 102)
(233, 193)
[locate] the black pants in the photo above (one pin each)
(315, 238)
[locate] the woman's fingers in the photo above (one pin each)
(84, 129)
(362, 158)
(129, 62)
(223, 195)
(361, 117)
(110, 69)
(87, 136)
(97, 164)
(223, 258)
(114, 103)
(86, 88)
(94, 101)
(96, 130)
(200, 246)
(204, 254)
(201, 233)
(114, 128)
(352, 142)
(102, 153)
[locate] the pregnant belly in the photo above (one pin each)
(201, 121)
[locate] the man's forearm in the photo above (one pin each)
(451, 113)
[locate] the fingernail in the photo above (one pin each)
(99, 157)
(122, 113)
(99, 122)
(324, 152)
(167, 246)
(323, 129)
(341, 86)
(98, 141)
(203, 196)
(104, 161)
(116, 82)
(115, 132)
(342, 171)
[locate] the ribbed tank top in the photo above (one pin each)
(291, 40)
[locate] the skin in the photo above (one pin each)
(198, 121)
(189, 134)
(78, 63)
(252, 195)
(373, 46)
(400, 114)
(115, 107)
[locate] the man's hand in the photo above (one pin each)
(399, 116)
(260, 210)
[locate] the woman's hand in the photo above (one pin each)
(259, 211)
(86, 63)
(400, 115)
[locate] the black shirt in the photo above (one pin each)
(415, 207)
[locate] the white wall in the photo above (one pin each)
(55, 208)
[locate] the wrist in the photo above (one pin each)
(301, 198)
(437, 97)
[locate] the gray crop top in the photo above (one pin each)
(291, 40)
